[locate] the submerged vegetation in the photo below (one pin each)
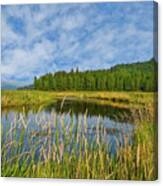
(62, 148)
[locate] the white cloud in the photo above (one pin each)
(83, 37)
(25, 62)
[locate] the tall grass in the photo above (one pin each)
(61, 148)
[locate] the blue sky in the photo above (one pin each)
(37, 39)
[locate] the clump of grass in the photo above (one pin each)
(62, 149)
(21, 98)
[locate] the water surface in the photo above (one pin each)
(83, 117)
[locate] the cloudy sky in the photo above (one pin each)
(37, 39)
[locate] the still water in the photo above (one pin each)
(82, 117)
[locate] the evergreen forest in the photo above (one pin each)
(140, 76)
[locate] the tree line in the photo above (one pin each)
(124, 77)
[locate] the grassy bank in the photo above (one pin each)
(116, 99)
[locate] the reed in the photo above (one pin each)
(62, 148)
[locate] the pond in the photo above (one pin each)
(67, 121)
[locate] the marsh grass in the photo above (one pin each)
(131, 100)
(17, 98)
(61, 149)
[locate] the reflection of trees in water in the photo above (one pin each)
(38, 124)
(77, 107)
(93, 109)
